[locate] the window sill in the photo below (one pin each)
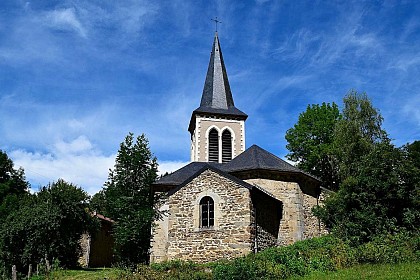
(206, 229)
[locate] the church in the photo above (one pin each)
(230, 201)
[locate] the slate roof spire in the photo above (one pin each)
(217, 97)
(216, 92)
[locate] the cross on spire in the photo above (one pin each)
(216, 21)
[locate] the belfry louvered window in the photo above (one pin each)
(206, 212)
(226, 146)
(213, 145)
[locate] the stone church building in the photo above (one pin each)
(229, 201)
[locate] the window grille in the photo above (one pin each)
(226, 146)
(213, 145)
(206, 212)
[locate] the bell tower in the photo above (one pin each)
(217, 127)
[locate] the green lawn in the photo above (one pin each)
(404, 271)
(87, 274)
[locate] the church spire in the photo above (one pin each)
(217, 97)
(216, 92)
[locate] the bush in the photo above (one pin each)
(322, 254)
(326, 253)
(390, 248)
(178, 269)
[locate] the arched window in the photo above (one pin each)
(226, 146)
(213, 145)
(206, 212)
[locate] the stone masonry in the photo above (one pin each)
(231, 235)
(297, 221)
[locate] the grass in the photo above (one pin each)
(403, 271)
(87, 274)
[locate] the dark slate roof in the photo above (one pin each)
(186, 174)
(217, 97)
(216, 92)
(213, 168)
(181, 175)
(256, 158)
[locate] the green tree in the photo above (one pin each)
(381, 198)
(98, 203)
(48, 223)
(12, 185)
(129, 199)
(413, 150)
(310, 142)
(357, 132)
(379, 183)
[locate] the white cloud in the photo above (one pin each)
(76, 161)
(170, 166)
(65, 19)
(77, 146)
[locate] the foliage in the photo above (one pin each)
(12, 185)
(413, 151)
(406, 271)
(129, 201)
(98, 202)
(390, 249)
(379, 184)
(313, 257)
(381, 197)
(178, 269)
(356, 134)
(310, 142)
(327, 253)
(317, 254)
(48, 225)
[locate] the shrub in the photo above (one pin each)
(318, 254)
(390, 248)
(178, 269)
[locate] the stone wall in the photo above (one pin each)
(85, 249)
(231, 235)
(297, 221)
(268, 216)
(159, 242)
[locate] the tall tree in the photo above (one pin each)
(129, 199)
(48, 223)
(12, 185)
(413, 151)
(310, 142)
(382, 197)
(357, 132)
(379, 183)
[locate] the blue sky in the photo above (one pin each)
(77, 76)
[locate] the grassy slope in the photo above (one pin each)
(406, 271)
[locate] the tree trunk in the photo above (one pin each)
(14, 274)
